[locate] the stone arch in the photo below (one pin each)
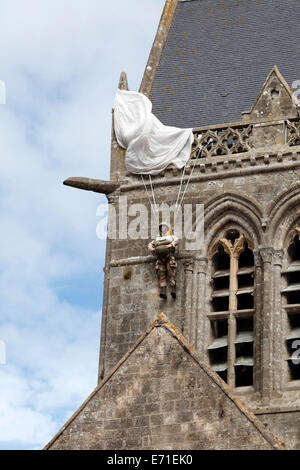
(232, 210)
(245, 201)
(283, 213)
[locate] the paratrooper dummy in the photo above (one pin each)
(164, 248)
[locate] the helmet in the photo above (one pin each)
(164, 229)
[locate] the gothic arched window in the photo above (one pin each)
(291, 308)
(231, 338)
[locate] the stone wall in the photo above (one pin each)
(244, 200)
(286, 426)
(160, 396)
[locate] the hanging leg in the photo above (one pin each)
(172, 268)
(162, 278)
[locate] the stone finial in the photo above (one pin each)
(123, 82)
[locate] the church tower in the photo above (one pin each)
(231, 72)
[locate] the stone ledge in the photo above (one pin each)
(274, 409)
(143, 259)
(215, 168)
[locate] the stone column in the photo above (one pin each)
(233, 283)
(233, 250)
(267, 325)
(277, 323)
(200, 274)
(257, 329)
(189, 323)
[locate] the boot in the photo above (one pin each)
(173, 292)
(163, 293)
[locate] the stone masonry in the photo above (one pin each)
(160, 395)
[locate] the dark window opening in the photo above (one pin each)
(245, 301)
(223, 375)
(294, 321)
(293, 348)
(219, 328)
(218, 357)
(274, 93)
(220, 304)
(244, 350)
(232, 235)
(294, 249)
(218, 361)
(219, 347)
(246, 257)
(293, 277)
(292, 297)
(243, 376)
(220, 283)
(221, 260)
(244, 324)
(245, 280)
(294, 371)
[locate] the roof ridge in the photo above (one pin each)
(158, 46)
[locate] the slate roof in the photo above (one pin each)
(217, 56)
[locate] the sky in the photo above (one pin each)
(60, 61)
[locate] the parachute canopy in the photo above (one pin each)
(150, 145)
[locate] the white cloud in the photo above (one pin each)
(48, 372)
(61, 61)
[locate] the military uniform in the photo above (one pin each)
(164, 248)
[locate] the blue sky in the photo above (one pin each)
(60, 61)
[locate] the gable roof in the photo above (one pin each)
(217, 55)
(274, 101)
(163, 393)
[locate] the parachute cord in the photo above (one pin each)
(191, 173)
(179, 191)
(152, 205)
(179, 201)
(153, 195)
(186, 186)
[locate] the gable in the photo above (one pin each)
(274, 101)
(161, 397)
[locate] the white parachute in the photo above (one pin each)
(150, 145)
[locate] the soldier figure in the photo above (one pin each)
(164, 248)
